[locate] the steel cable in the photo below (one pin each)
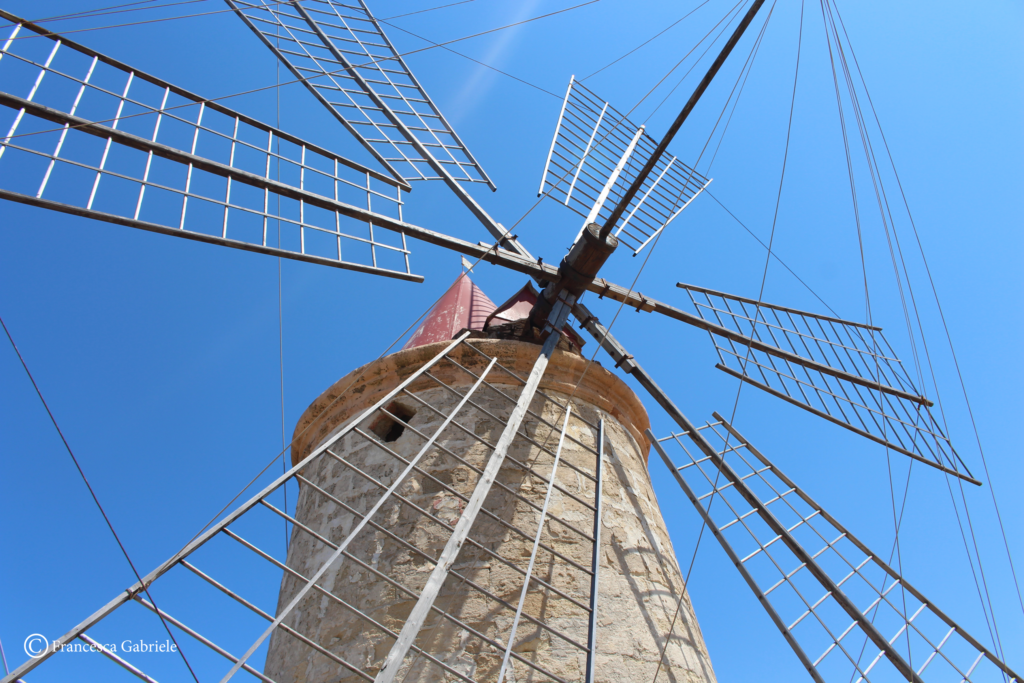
(95, 499)
(982, 586)
(941, 315)
(879, 194)
(656, 35)
(472, 59)
(3, 657)
(714, 487)
(725, 448)
(690, 70)
(87, 13)
(152, 21)
(429, 9)
(120, 9)
(280, 291)
(867, 300)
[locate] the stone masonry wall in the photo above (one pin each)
(640, 581)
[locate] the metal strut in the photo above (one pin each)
(411, 628)
(866, 625)
(496, 229)
(596, 558)
(781, 533)
(866, 588)
(533, 553)
(737, 562)
(687, 108)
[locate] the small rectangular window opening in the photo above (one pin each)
(387, 428)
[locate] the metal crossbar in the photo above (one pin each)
(591, 138)
(87, 135)
(832, 598)
(347, 62)
(360, 475)
(869, 393)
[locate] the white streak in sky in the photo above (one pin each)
(482, 79)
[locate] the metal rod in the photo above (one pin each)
(461, 496)
(705, 515)
(531, 413)
(725, 295)
(202, 639)
(224, 589)
(21, 113)
(110, 655)
(473, 542)
(533, 553)
(596, 561)
(64, 133)
(647, 194)
(636, 300)
(867, 551)
(866, 625)
(488, 513)
(110, 141)
(521, 465)
(200, 237)
(687, 108)
(331, 596)
(503, 487)
(671, 218)
(415, 83)
(346, 554)
(492, 226)
(554, 138)
(586, 152)
(351, 536)
(842, 423)
(389, 669)
(610, 183)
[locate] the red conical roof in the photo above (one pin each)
(463, 306)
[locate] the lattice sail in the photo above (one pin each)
(846, 613)
(341, 54)
(843, 371)
(591, 138)
(90, 136)
(373, 478)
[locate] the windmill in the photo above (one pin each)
(834, 368)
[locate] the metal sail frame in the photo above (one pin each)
(319, 53)
(820, 585)
(460, 356)
(876, 399)
(307, 164)
(132, 149)
(591, 144)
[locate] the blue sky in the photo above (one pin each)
(159, 357)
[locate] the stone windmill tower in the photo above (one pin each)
(550, 479)
(477, 506)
